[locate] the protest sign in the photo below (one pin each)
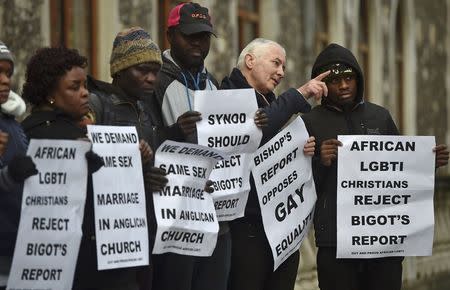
(53, 202)
(187, 222)
(119, 198)
(228, 125)
(286, 191)
(231, 178)
(228, 120)
(385, 196)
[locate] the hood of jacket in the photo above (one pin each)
(334, 53)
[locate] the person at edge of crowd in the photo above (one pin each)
(261, 66)
(344, 111)
(183, 71)
(15, 167)
(55, 85)
(130, 101)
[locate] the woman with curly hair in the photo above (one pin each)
(55, 85)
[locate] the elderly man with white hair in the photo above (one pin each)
(261, 65)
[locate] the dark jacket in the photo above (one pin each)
(57, 125)
(111, 106)
(279, 111)
(325, 122)
(10, 196)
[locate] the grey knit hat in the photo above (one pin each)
(5, 54)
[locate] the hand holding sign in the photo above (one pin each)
(156, 179)
(441, 155)
(3, 142)
(315, 88)
(328, 151)
(146, 151)
(188, 122)
(261, 119)
(310, 146)
(21, 167)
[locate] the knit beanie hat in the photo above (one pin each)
(5, 54)
(133, 46)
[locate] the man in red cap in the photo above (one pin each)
(189, 34)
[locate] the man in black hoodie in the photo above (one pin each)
(261, 66)
(344, 112)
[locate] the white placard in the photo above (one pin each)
(49, 232)
(231, 179)
(119, 198)
(385, 196)
(228, 124)
(228, 120)
(286, 191)
(187, 221)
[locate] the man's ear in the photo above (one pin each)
(249, 60)
(169, 35)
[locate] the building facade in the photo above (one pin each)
(403, 47)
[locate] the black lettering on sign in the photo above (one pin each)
(226, 203)
(381, 240)
(283, 210)
(50, 224)
(271, 149)
(43, 249)
(55, 153)
(169, 148)
(382, 166)
(383, 146)
(227, 141)
(178, 169)
(385, 199)
(125, 247)
(280, 187)
(185, 237)
(372, 220)
(97, 137)
(121, 138)
(225, 184)
(168, 213)
(271, 172)
(41, 274)
(223, 119)
(52, 177)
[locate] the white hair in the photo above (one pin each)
(254, 48)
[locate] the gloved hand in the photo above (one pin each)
(21, 167)
(209, 186)
(95, 162)
(155, 179)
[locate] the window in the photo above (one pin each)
(74, 26)
(248, 21)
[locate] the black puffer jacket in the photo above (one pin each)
(325, 122)
(11, 199)
(279, 111)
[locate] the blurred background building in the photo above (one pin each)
(402, 45)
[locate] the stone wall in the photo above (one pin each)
(432, 54)
(21, 32)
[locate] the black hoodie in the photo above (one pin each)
(325, 122)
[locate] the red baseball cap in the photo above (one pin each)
(190, 18)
